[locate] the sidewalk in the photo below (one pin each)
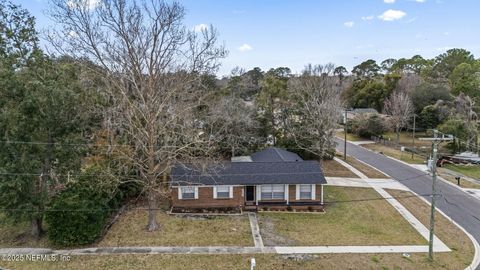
(422, 230)
(359, 182)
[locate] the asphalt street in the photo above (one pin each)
(458, 205)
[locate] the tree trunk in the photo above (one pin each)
(398, 135)
(36, 229)
(152, 212)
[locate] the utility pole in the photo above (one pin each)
(413, 134)
(434, 181)
(345, 133)
(435, 142)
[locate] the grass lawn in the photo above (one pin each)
(459, 258)
(461, 246)
(331, 168)
(235, 262)
(350, 136)
(450, 178)
(406, 138)
(472, 171)
(362, 167)
(129, 230)
(346, 222)
(18, 235)
(403, 156)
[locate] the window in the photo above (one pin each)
(223, 192)
(187, 192)
(273, 192)
(305, 192)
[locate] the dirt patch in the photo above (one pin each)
(269, 236)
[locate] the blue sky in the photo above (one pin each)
(273, 33)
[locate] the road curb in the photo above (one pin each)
(476, 258)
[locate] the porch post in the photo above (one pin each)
(321, 194)
(257, 193)
(287, 195)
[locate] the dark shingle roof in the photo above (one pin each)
(286, 168)
(274, 154)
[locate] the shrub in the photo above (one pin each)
(367, 125)
(79, 214)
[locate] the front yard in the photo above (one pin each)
(462, 248)
(349, 220)
(472, 171)
(129, 230)
(391, 152)
(354, 216)
(332, 168)
(362, 167)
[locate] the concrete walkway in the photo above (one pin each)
(257, 237)
(223, 250)
(424, 232)
(359, 182)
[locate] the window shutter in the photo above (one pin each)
(196, 192)
(231, 192)
(297, 192)
(214, 192)
(179, 189)
(313, 192)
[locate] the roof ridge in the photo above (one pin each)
(278, 153)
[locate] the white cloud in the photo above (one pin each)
(389, 1)
(245, 47)
(420, 1)
(367, 18)
(200, 27)
(349, 24)
(392, 15)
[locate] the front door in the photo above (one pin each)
(250, 193)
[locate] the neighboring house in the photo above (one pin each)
(353, 113)
(272, 178)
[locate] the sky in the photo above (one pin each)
(293, 33)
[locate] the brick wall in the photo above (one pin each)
(205, 199)
(292, 194)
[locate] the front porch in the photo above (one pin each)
(306, 197)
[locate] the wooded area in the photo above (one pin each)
(128, 91)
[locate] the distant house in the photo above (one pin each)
(272, 178)
(353, 113)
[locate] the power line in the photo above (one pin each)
(157, 208)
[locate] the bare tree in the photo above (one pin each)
(315, 109)
(236, 123)
(152, 66)
(465, 107)
(400, 108)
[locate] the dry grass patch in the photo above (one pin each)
(350, 136)
(233, 262)
(370, 172)
(130, 230)
(391, 152)
(332, 168)
(472, 171)
(14, 235)
(461, 246)
(348, 221)
(463, 182)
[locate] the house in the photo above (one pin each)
(273, 178)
